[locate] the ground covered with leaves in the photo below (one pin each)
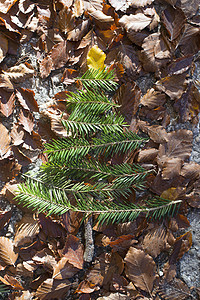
(153, 47)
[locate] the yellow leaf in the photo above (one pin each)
(96, 58)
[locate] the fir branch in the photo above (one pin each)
(76, 148)
(99, 80)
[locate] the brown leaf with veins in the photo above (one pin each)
(155, 53)
(140, 3)
(7, 254)
(189, 7)
(156, 241)
(7, 102)
(173, 290)
(20, 72)
(3, 46)
(26, 119)
(26, 99)
(173, 20)
(153, 99)
(140, 269)
(171, 167)
(27, 229)
(13, 282)
(173, 86)
(147, 155)
(63, 269)
(190, 40)
(52, 289)
(5, 83)
(79, 31)
(4, 141)
(5, 217)
(179, 144)
(73, 251)
(66, 20)
(72, 221)
(17, 135)
(135, 22)
(128, 96)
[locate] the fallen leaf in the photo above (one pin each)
(7, 254)
(17, 135)
(190, 40)
(51, 289)
(27, 229)
(3, 46)
(140, 3)
(128, 96)
(153, 99)
(169, 85)
(79, 31)
(5, 83)
(13, 282)
(176, 289)
(99, 16)
(135, 22)
(156, 241)
(96, 58)
(191, 171)
(7, 102)
(180, 65)
(173, 20)
(5, 5)
(4, 142)
(122, 243)
(189, 7)
(20, 72)
(181, 245)
(66, 20)
(69, 76)
(63, 269)
(78, 8)
(5, 218)
(171, 167)
(26, 119)
(73, 251)
(140, 269)
(9, 169)
(147, 155)
(26, 99)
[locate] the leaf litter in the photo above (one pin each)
(137, 38)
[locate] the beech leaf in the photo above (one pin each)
(140, 269)
(7, 102)
(20, 72)
(26, 119)
(135, 22)
(26, 99)
(52, 289)
(4, 141)
(3, 46)
(96, 58)
(7, 254)
(73, 250)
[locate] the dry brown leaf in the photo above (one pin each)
(156, 241)
(140, 3)
(20, 72)
(52, 228)
(153, 99)
(23, 295)
(66, 20)
(5, 218)
(13, 282)
(122, 243)
(156, 132)
(7, 254)
(72, 221)
(98, 15)
(63, 269)
(179, 144)
(128, 96)
(190, 40)
(147, 155)
(135, 22)
(7, 102)
(51, 289)
(176, 289)
(119, 5)
(3, 46)
(78, 8)
(73, 251)
(78, 33)
(45, 257)
(173, 86)
(171, 167)
(140, 269)
(173, 20)
(4, 141)
(5, 5)
(191, 171)
(189, 7)
(180, 65)
(5, 83)
(27, 229)
(26, 119)
(17, 135)
(26, 99)
(69, 76)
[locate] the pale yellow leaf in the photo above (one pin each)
(96, 58)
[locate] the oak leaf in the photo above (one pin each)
(7, 254)
(140, 269)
